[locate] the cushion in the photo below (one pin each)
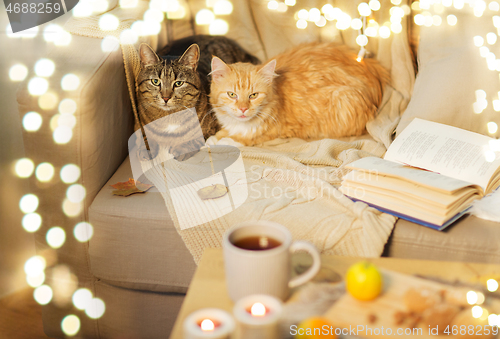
(135, 244)
(451, 73)
(470, 239)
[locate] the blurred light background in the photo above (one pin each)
(16, 245)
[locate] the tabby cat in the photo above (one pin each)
(169, 85)
(313, 91)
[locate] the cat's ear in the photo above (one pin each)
(219, 69)
(267, 71)
(190, 57)
(148, 56)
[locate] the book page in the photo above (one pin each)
(447, 150)
(375, 166)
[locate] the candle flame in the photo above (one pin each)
(258, 310)
(207, 325)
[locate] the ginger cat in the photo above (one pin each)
(313, 91)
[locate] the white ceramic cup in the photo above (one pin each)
(264, 271)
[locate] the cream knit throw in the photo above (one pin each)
(312, 208)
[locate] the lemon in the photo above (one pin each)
(364, 281)
(315, 328)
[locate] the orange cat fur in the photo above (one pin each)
(313, 91)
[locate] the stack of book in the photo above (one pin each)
(429, 175)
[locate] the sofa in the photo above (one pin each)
(136, 261)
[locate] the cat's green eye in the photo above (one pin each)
(232, 95)
(156, 82)
(178, 83)
(253, 95)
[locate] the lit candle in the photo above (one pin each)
(257, 317)
(208, 323)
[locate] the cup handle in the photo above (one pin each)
(313, 270)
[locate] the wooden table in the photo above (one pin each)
(208, 287)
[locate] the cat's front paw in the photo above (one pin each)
(221, 134)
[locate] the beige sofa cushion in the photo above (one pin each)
(135, 244)
(451, 70)
(470, 240)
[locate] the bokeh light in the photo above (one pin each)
(70, 173)
(48, 101)
(31, 222)
(43, 294)
(18, 72)
(218, 27)
(70, 82)
(480, 298)
(44, 172)
(204, 17)
(343, 21)
(301, 24)
(471, 297)
(51, 32)
(384, 32)
(70, 325)
(494, 320)
(99, 6)
(71, 209)
(95, 309)
(68, 120)
(82, 298)
(35, 281)
(178, 14)
(223, 7)
(477, 311)
(44, 67)
(28, 203)
(67, 106)
(83, 231)
(128, 37)
(153, 15)
(24, 168)
(62, 135)
(478, 41)
(314, 15)
(356, 24)
(452, 20)
(38, 86)
(492, 127)
(32, 121)
(82, 9)
(63, 38)
(362, 40)
(491, 38)
(76, 193)
(272, 5)
(321, 22)
(56, 237)
(374, 5)
(492, 285)
(34, 266)
(364, 9)
(108, 22)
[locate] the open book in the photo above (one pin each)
(429, 175)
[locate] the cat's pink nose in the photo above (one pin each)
(243, 109)
(166, 99)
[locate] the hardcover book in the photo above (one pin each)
(430, 174)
